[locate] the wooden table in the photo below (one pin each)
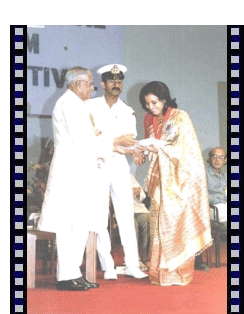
(32, 237)
(91, 257)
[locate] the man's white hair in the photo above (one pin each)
(76, 72)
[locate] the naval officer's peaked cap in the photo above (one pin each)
(112, 71)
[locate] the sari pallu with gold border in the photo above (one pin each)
(180, 221)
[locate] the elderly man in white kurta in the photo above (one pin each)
(72, 193)
(112, 117)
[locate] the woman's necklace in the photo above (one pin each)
(159, 121)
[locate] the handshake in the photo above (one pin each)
(127, 145)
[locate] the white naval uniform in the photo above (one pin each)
(115, 178)
(72, 194)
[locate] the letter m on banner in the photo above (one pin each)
(33, 43)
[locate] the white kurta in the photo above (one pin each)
(115, 178)
(71, 186)
(70, 207)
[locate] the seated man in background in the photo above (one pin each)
(142, 223)
(217, 184)
(217, 190)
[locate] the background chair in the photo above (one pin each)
(218, 232)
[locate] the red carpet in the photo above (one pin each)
(207, 294)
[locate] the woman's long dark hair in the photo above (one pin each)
(160, 90)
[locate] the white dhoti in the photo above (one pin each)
(70, 249)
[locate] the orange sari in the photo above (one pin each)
(180, 221)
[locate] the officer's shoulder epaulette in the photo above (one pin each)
(125, 103)
(133, 111)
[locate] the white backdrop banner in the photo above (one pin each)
(54, 49)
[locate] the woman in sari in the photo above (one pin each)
(176, 183)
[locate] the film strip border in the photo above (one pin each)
(18, 168)
(234, 96)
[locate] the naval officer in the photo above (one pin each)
(112, 117)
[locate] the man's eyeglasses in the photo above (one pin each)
(90, 83)
(218, 156)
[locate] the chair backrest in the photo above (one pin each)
(215, 212)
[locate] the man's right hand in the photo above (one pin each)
(126, 140)
(123, 150)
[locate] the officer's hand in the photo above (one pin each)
(136, 192)
(138, 157)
